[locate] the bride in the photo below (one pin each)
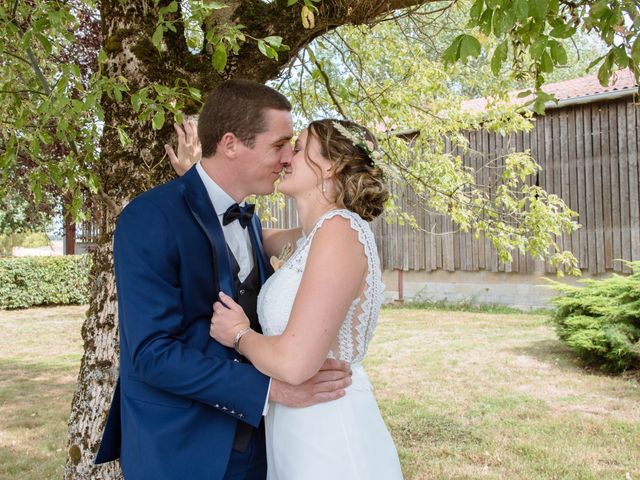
(322, 303)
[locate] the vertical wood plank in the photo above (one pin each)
(589, 181)
(532, 142)
(572, 179)
(480, 177)
(606, 186)
(563, 165)
(583, 254)
(614, 165)
(549, 165)
(597, 186)
(623, 167)
(634, 204)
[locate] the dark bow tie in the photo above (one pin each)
(236, 212)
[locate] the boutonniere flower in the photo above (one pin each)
(278, 262)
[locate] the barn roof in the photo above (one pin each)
(568, 92)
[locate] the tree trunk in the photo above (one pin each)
(124, 173)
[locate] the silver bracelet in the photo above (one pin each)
(238, 337)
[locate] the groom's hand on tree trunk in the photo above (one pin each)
(326, 385)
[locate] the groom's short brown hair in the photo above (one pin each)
(237, 106)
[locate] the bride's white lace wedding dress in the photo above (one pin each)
(346, 438)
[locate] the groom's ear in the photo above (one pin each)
(228, 145)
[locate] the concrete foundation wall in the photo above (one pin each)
(524, 291)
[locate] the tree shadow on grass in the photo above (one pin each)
(559, 356)
(414, 424)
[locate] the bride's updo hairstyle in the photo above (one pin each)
(359, 183)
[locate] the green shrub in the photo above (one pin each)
(27, 240)
(31, 281)
(600, 321)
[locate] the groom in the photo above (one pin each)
(185, 407)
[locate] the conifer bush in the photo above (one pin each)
(600, 320)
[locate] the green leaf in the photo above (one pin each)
(44, 137)
(452, 53)
(635, 52)
(158, 120)
(469, 47)
(195, 93)
(46, 44)
(546, 64)
(156, 39)
(604, 72)
(219, 58)
(599, 9)
(274, 41)
(538, 9)
(499, 56)
(538, 107)
(486, 21)
(508, 20)
(476, 10)
(621, 58)
(171, 8)
(291, 2)
(136, 102)
(595, 62)
(262, 47)
(558, 53)
(562, 31)
(538, 47)
(521, 9)
(123, 137)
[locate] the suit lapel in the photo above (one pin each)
(202, 210)
(264, 267)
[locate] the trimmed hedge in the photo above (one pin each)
(600, 321)
(29, 281)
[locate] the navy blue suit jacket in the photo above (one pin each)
(180, 394)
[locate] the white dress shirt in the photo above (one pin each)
(236, 237)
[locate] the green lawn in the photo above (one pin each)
(465, 395)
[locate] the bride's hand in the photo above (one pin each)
(227, 322)
(189, 149)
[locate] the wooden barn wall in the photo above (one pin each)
(589, 156)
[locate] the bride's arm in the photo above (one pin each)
(335, 268)
(275, 239)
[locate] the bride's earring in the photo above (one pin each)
(324, 189)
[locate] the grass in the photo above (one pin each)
(476, 395)
(40, 352)
(466, 395)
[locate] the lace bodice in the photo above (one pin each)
(276, 298)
